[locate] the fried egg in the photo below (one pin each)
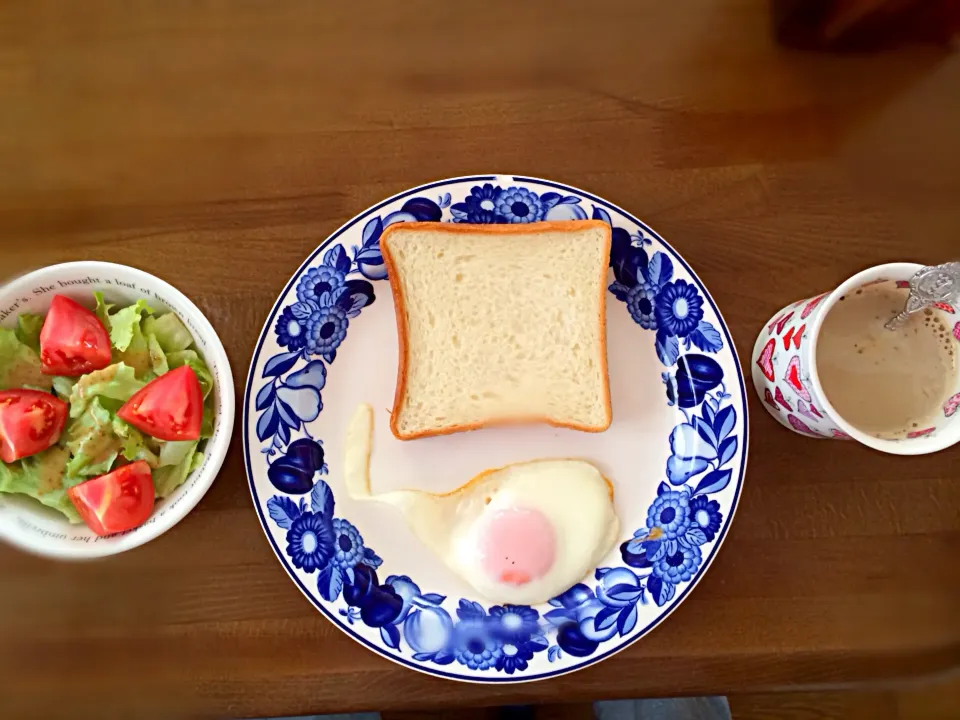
(519, 534)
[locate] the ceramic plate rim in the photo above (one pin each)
(593, 659)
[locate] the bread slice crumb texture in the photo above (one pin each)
(499, 324)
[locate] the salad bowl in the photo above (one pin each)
(30, 525)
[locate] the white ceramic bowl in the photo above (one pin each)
(29, 525)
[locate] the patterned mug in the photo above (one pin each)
(785, 371)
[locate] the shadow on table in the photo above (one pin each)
(696, 708)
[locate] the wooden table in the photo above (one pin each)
(215, 144)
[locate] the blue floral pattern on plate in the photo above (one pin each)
(427, 630)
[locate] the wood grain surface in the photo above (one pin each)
(216, 143)
(937, 699)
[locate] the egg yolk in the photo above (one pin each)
(518, 545)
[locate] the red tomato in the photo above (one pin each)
(168, 408)
(118, 501)
(73, 341)
(30, 422)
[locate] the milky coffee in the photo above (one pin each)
(887, 383)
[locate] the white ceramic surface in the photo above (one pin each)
(29, 525)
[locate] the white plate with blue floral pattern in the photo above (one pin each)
(676, 451)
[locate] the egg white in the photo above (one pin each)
(572, 495)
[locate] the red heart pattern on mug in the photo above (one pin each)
(805, 411)
(783, 321)
(787, 338)
(800, 425)
(773, 324)
(782, 400)
(768, 399)
(811, 305)
(793, 379)
(765, 361)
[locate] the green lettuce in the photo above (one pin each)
(173, 452)
(126, 335)
(20, 364)
(134, 444)
(143, 346)
(177, 461)
(158, 360)
(28, 330)
(82, 468)
(63, 386)
(125, 324)
(40, 477)
(103, 310)
(206, 423)
(92, 443)
(59, 501)
(127, 338)
(170, 332)
(117, 382)
(137, 355)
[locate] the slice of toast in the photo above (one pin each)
(499, 324)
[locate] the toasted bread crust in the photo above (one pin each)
(402, 330)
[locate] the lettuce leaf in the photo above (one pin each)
(125, 324)
(172, 335)
(126, 335)
(206, 423)
(82, 467)
(158, 360)
(173, 452)
(134, 443)
(92, 443)
(20, 364)
(103, 310)
(63, 386)
(28, 330)
(168, 477)
(40, 477)
(129, 343)
(58, 500)
(118, 382)
(137, 355)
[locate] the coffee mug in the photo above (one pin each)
(784, 366)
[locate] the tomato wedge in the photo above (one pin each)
(30, 422)
(118, 501)
(73, 341)
(168, 408)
